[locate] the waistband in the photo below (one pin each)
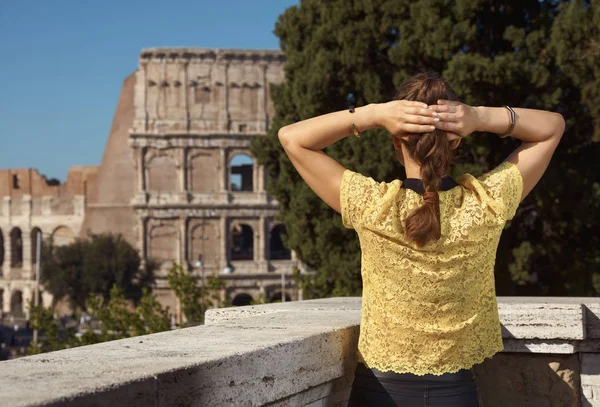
(462, 375)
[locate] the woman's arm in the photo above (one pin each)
(539, 130)
(303, 141)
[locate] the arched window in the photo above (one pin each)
(62, 236)
(164, 243)
(278, 250)
(162, 174)
(204, 173)
(34, 239)
(16, 304)
(240, 177)
(242, 242)
(16, 248)
(204, 241)
(242, 299)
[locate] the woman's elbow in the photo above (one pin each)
(560, 124)
(283, 135)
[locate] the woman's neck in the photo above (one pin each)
(413, 170)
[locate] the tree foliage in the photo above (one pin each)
(93, 265)
(117, 318)
(196, 300)
(533, 54)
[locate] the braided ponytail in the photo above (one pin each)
(433, 152)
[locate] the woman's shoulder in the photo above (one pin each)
(500, 188)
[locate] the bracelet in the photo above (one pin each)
(513, 122)
(355, 130)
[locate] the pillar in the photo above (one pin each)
(6, 300)
(260, 240)
(141, 168)
(224, 242)
(183, 243)
(223, 179)
(142, 239)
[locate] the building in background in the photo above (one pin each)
(28, 205)
(177, 179)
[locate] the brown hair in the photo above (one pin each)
(432, 151)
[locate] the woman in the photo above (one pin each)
(428, 243)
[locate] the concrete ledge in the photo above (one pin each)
(300, 353)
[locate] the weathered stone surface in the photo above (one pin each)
(525, 319)
(244, 362)
(518, 379)
(300, 353)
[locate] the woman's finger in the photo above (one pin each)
(418, 128)
(448, 126)
(439, 108)
(413, 103)
(444, 108)
(447, 102)
(418, 119)
(448, 117)
(420, 111)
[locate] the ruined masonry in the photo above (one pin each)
(176, 179)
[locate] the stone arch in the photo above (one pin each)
(242, 299)
(1, 248)
(277, 297)
(242, 242)
(62, 236)
(162, 173)
(16, 248)
(34, 237)
(241, 173)
(204, 172)
(277, 250)
(164, 243)
(204, 243)
(16, 304)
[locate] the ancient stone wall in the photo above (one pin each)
(177, 179)
(28, 206)
(200, 197)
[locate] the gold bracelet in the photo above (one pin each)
(355, 130)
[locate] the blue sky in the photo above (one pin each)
(63, 62)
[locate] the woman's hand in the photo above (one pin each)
(405, 116)
(456, 117)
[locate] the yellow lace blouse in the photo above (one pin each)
(429, 310)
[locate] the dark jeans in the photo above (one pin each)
(372, 387)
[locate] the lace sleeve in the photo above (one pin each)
(356, 191)
(504, 185)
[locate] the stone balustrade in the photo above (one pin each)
(303, 353)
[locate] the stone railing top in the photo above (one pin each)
(250, 353)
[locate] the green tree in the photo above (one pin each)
(117, 317)
(120, 320)
(493, 54)
(94, 265)
(195, 300)
(51, 336)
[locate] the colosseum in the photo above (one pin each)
(176, 179)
